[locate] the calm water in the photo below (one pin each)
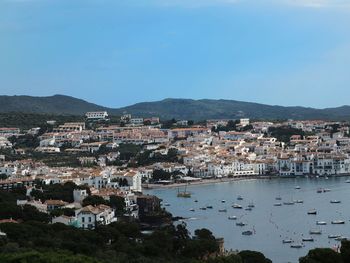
(271, 224)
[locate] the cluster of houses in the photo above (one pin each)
(201, 150)
(101, 182)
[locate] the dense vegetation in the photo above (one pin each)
(26, 120)
(284, 133)
(171, 108)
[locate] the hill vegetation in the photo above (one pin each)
(171, 108)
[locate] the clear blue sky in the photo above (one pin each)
(119, 52)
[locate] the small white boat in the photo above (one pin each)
(232, 217)
(287, 241)
(312, 212)
(321, 223)
(237, 206)
(299, 201)
(315, 232)
(241, 224)
(334, 236)
(166, 204)
(297, 187)
(347, 181)
(335, 201)
(338, 222)
(223, 201)
(326, 190)
(326, 177)
(277, 204)
(341, 238)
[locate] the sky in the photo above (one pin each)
(120, 52)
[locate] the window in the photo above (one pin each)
(89, 218)
(83, 219)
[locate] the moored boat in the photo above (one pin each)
(223, 210)
(341, 238)
(287, 241)
(232, 217)
(307, 239)
(312, 212)
(184, 193)
(338, 222)
(334, 236)
(209, 206)
(241, 224)
(321, 223)
(335, 201)
(289, 203)
(277, 204)
(247, 233)
(251, 205)
(296, 245)
(315, 232)
(237, 206)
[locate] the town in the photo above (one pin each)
(107, 161)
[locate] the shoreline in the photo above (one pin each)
(227, 180)
(204, 182)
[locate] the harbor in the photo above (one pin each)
(289, 214)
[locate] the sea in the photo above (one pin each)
(269, 224)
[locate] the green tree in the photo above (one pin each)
(345, 250)
(248, 256)
(322, 255)
(118, 203)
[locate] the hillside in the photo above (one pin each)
(57, 104)
(171, 108)
(224, 109)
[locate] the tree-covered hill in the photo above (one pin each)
(171, 108)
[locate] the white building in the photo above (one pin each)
(244, 122)
(136, 121)
(97, 115)
(90, 216)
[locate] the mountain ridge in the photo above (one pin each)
(168, 108)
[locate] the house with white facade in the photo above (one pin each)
(90, 216)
